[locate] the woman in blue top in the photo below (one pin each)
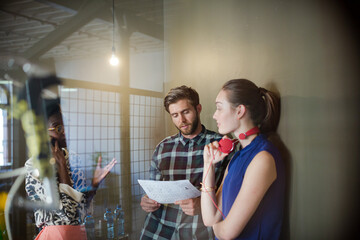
(249, 204)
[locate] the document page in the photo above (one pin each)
(169, 191)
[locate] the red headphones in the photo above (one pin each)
(227, 145)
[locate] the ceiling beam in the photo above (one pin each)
(88, 12)
(56, 4)
(69, 6)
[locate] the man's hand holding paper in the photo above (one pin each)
(190, 206)
(149, 205)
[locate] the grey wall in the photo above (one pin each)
(305, 50)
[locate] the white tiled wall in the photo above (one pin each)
(92, 125)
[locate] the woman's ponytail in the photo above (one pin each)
(272, 114)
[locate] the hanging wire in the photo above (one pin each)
(113, 15)
(113, 60)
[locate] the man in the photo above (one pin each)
(180, 157)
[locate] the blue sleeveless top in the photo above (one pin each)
(267, 219)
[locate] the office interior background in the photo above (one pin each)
(307, 51)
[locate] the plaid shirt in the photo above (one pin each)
(178, 158)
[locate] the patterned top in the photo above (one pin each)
(73, 202)
(179, 158)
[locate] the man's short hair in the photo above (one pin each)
(180, 93)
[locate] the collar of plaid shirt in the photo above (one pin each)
(196, 139)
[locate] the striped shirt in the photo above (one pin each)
(179, 158)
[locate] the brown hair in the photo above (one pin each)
(179, 93)
(263, 105)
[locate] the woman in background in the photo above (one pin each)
(75, 197)
(251, 197)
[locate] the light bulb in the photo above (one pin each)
(114, 61)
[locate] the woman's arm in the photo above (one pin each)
(61, 165)
(259, 176)
(210, 213)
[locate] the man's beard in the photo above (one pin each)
(193, 128)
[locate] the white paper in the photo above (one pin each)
(169, 191)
